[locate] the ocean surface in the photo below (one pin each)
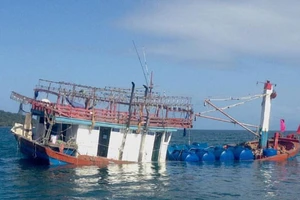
(19, 179)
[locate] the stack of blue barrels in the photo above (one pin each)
(201, 152)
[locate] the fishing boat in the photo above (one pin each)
(76, 124)
(280, 147)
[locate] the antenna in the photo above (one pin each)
(146, 66)
(144, 72)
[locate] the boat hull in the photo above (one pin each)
(85, 125)
(45, 154)
(32, 150)
(293, 146)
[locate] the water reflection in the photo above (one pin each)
(271, 177)
(20, 179)
(122, 180)
(171, 180)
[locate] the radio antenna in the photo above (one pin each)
(144, 68)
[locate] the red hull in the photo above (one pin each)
(52, 157)
(290, 147)
(46, 154)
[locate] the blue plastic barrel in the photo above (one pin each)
(208, 156)
(192, 157)
(237, 151)
(246, 154)
(200, 153)
(269, 152)
(227, 155)
(183, 154)
(170, 150)
(174, 155)
(217, 152)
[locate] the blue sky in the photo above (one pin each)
(195, 48)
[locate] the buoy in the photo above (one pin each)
(237, 151)
(226, 155)
(192, 157)
(246, 154)
(208, 157)
(269, 152)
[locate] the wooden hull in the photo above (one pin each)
(290, 148)
(99, 125)
(47, 155)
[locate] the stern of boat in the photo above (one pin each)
(20, 130)
(25, 129)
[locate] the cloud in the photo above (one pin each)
(219, 31)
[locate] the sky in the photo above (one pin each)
(195, 48)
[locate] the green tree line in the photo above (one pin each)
(9, 119)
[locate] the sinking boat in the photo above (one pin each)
(83, 125)
(276, 148)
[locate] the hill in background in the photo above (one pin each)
(9, 119)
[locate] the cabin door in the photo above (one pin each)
(156, 146)
(103, 141)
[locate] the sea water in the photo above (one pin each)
(20, 179)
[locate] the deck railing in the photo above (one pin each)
(109, 116)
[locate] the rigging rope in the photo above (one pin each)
(239, 98)
(234, 105)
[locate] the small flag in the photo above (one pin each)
(282, 125)
(298, 131)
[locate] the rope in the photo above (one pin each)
(233, 105)
(34, 155)
(240, 98)
(58, 132)
(51, 122)
(18, 144)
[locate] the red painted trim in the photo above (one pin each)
(81, 160)
(268, 85)
(282, 156)
(84, 160)
(106, 115)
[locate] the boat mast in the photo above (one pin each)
(265, 114)
(144, 67)
(145, 129)
(121, 150)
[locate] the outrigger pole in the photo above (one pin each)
(224, 120)
(263, 128)
(230, 117)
